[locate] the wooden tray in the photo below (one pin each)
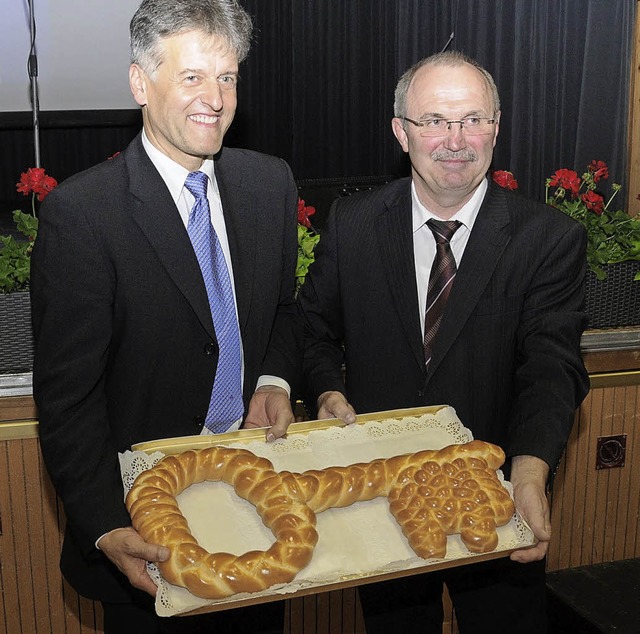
(302, 432)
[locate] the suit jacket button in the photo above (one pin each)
(210, 349)
(198, 421)
(420, 393)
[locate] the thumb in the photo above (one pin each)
(150, 552)
(543, 530)
(160, 553)
(336, 406)
(280, 426)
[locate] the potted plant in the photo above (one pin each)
(16, 352)
(308, 238)
(613, 241)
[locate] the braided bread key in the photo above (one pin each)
(432, 494)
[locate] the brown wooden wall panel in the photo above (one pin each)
(336, 612)
(33, 596)
(595, 511)
(17, 408)
(9, 615)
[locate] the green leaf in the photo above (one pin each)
(26, 223)
(15, 255)
(307, 241)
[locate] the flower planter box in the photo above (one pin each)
(16, 338)
(615, 301)
(611, 303)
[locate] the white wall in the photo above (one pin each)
(83, 54)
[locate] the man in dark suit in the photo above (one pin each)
(127, 342)
(504, 350)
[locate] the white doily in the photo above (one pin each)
(360, 540)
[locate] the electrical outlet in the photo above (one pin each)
(611, 451)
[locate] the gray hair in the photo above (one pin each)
(447, 58)
(157, 19)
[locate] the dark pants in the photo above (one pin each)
(139, 618)
(494, 597)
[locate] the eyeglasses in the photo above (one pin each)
(471, 126)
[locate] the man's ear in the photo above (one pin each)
(400, 133)
(138, 84)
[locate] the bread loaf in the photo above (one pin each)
(432, 494)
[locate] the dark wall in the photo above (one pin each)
(317, 88)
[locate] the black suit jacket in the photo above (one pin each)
(125, 345)
(506, 356)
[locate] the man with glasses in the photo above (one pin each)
(443, 288)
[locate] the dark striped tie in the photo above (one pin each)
(443, 272)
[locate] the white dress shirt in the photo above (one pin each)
(424, 244)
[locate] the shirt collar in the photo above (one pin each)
(466, 215)
(172, 173)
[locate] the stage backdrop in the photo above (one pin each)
(317, 88)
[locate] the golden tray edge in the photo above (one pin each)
(179, 444)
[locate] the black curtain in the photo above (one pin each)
(318, 86)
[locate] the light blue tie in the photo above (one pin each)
(226, 405)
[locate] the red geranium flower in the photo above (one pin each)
(304, 212)
(593, 201)
(567, 179)
(599, 170)
(35, 181)
(612, 236)
(505, 179)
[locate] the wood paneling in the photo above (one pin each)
(17, 408)
(335, 612)
(33, 596)
(611, 360)
(595, 511)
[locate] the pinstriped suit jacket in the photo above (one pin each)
(506, 356)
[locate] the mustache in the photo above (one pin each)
(448, 155)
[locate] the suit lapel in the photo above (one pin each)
(488, 239)
(394, 233)
(241, 221)
(155, 213)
